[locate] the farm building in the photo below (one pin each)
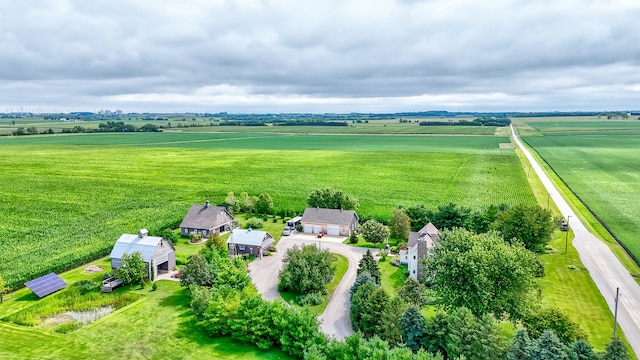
(419, 244)
(335, 222)
(206, 219)
(251, 242)
(158, 253)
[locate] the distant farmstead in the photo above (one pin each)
(250, 242)
(157, 253)
(206, 219)
(336, 222)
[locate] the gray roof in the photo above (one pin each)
(129, 243)
(250, 237)
(206, 217)
(428, 231)
(329, 216)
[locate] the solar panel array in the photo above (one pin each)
(46, 285)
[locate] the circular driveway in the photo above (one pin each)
(335, 320)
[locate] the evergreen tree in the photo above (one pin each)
(582, 350)
(521, 346)
(412, 328)
(369, 264)
(414, 292)
(615, 350)
(549, 347)
(362, 278)
(359, 304)
(389, 324)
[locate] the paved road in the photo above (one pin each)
(335, 319)
(605, 269)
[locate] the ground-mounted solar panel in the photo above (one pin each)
(46, 285)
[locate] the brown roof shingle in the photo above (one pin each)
(203, 217)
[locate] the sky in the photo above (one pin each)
(322, 56)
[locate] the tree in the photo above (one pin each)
(451, 216)
(480, 221)
(521, 346)
(549, 347)
(556, 320)
(372, 310)
(362, 278)
(264, 205)
(244, 202)
(414, 292)
(481, 272)
(230, 199)
(200, 298)
(374, 232)
(3, 289)
(615, 350)
(215, 241)
(133, 269)
(388, 327)
(582, 350)
(412, 328)
(530, 224)
(306, 269)
(369, 265)
(419, 216)
(400, 224)
(359, 304)
(196, 272)
(329, 198)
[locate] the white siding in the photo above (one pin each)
(333, 230)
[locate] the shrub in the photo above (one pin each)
(394, 249)
(154, 287)
(383, 254)
(395, 262)
(402, 246)
(299, 228)
(311, 299)
(106, 275)
(353, 239)
(68, 327)
(86, 286)
(254, 223)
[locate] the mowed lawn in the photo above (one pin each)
(159, 326)
(604, 171)
(65, 203)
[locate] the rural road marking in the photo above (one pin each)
(603, 266)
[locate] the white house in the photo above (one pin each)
(418, 246)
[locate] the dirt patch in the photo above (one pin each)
(93, 269)
(57, 320)
(507, 146)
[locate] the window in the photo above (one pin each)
(241, 248)
(414, 271)
(414, 257)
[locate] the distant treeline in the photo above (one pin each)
(474, 122)
(109, 126)
(280, 122)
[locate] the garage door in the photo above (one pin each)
(333, 230)
(317, 229)
(308, 228)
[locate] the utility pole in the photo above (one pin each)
(566, 237)
(615, 313)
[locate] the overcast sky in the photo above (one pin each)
(319, 56)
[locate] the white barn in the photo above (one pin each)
(157, 253)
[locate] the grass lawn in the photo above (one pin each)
(342, 264)
(158, 326)
(392, 276)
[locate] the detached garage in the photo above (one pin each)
(335, 222)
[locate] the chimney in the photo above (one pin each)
(206, 204)
(142, 233)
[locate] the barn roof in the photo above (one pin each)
(206, 217)
(329, 216)
(129, 243)
(249, 237)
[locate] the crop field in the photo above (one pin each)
(602, 169)
(65, 201)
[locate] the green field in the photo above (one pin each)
(66, 199)
(603, 170)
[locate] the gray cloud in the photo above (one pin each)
(280, 56)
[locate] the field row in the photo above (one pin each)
(63, 205)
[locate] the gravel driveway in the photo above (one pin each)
(335, 319)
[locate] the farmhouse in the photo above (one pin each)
(335, 222)
(206, 219)
(418, 246)
(158, 253)
(251, 242)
